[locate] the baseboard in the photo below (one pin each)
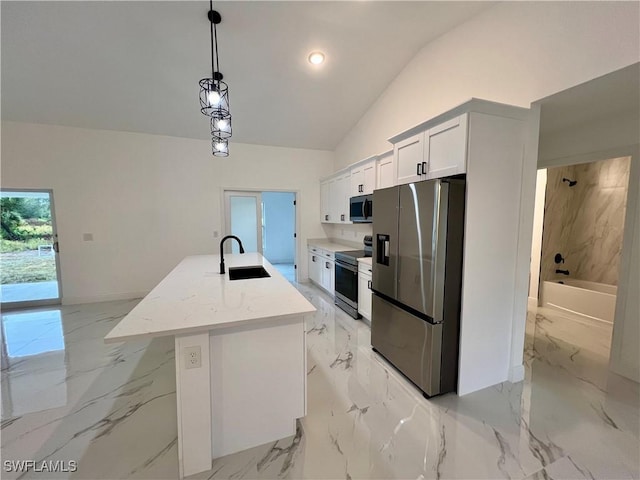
(110, 297)
(516, 374)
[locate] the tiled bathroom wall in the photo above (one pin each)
(585, 222)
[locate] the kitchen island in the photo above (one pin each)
(240, 354)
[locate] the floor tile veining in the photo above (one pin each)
(111, 408)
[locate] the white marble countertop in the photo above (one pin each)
(330, 246)
(365, 260)
(195, 298)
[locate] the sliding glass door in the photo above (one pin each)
(29, 249)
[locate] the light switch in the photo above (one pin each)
(87, 237)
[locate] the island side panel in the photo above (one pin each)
(193, 393)
(258, 384)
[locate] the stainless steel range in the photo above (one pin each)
(346, 289)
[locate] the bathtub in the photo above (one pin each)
(596, 301)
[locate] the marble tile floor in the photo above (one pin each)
(287, 270)
(111, 408)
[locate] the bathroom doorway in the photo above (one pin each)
(581, 231)
(265, 221)
(582, 310)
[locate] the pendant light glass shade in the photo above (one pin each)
(214, 98)
(221, 127)
(220, 147)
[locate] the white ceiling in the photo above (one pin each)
(135, 66)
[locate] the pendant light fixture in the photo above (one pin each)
(214, 94)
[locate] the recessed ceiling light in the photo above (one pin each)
(316, 58)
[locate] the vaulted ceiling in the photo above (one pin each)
(135, 66)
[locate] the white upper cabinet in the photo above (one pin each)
(340, 198)
(357, 180)
(369, 177)
(325, 201)
(363, 178)
(440, 151)
(446, 148)
(410, 161)
(386, 167)
(335, 193)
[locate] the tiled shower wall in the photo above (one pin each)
(585, 223)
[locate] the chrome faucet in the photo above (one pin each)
(222, 270)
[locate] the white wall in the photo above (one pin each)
(536, 242)
(514, 53)
(149, 200)
(625, 345)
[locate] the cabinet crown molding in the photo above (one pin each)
(472, 105)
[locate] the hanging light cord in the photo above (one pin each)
(215, 66)
(212, 50)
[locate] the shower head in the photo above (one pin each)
(570, 182)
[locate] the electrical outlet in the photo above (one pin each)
(192, 357)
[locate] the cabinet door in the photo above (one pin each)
(369, 178)
(357, 181)
(364, 295)
(340, 198)
(410, 159)
(325, 203)
(446, 148)
(386, 171)
(328, 276)
(315, 262)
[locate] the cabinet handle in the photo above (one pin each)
(326, 264)
(424, 168)
(313, 258)
(369, 284)
(328, 254)
(418, 168)
(326, 217)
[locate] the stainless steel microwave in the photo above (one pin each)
(361, 209)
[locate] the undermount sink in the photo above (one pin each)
(244, 273)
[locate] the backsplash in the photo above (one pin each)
(348, 232)
(584, 221)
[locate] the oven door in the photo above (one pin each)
(347, 283)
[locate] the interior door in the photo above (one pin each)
(244, 219)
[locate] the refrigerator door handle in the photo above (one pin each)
(439, 250)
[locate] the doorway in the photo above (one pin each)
(265, 221)
(29, 249)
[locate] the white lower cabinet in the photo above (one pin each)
(315, 264)
(364, 290)
(322, 268)
(328, 281)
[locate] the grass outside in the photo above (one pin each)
(8, 246)
(27, 267)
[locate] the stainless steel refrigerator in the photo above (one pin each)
(417, 277)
